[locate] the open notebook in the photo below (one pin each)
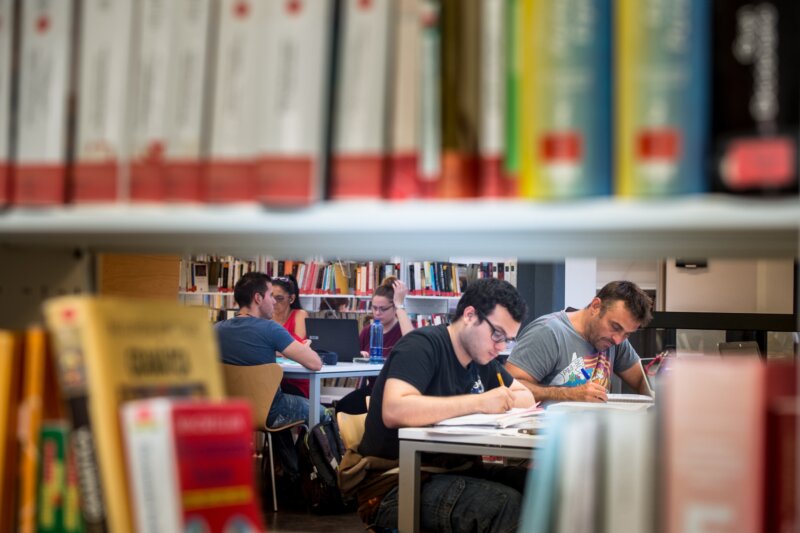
(511, 418)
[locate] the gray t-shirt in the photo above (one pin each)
(552, 352)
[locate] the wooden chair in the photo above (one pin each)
(258, 384)
(351, 427)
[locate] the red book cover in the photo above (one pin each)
(190, 465)
(714, 427)
(213, 444)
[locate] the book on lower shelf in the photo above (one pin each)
(110, 350)
(190, 465)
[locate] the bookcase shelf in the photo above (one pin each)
(701, 226)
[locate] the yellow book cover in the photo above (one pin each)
(10, 376)
(110, 350)
(341, 278)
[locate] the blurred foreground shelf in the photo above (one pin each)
(702, 226)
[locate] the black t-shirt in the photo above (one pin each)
(426, 360)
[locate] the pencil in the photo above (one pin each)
(500, 379)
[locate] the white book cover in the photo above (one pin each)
(492, 96)
(101, 160)
(630, 481)
(405, 102)
(187, 99)
(154, 488)
(360, 124)
(6, 120)
(44, 84)
(576, 509)
(234, 124)
(148, 99)
(294, 63)
(430, 156)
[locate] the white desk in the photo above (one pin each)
(414, 441)
(314, 377)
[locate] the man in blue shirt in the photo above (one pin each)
(253, 338)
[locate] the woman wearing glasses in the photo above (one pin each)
(290, 314)
(388, 306)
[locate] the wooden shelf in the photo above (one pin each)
(701, 226)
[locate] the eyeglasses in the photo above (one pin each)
(283, 279)
(377, 309)
(498, 335)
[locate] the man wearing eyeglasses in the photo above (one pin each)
(440, 372)
(570, 355)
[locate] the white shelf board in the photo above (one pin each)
(701, 226)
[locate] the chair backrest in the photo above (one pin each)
(256, 383)
(351, 428)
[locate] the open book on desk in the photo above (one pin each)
(513, 417)
(630, 398)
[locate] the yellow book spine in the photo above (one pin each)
(527, 133)
(626, 50)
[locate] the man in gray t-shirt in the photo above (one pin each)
(570, 355)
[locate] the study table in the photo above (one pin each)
(314, 377)
(414, 441)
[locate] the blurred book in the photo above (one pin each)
(713, 446)
(11, 361)
(359, 144)
(755, 110)
(110, 350)
(566, 92)
(101, 166)
(190, 465)
(45, 76)
(294, 108)
(58, 510)
(662, 78)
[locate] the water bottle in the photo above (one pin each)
(376, 342)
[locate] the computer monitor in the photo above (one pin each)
(338, 335)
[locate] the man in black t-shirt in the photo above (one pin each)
(442, 372)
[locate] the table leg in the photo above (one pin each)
(313, 400)
(408, 488)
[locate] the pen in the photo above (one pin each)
(586, 374)
(500, 379)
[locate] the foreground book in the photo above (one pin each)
(110, 350)
(190, 465)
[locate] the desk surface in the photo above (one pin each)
(340, 368)
(507, 437)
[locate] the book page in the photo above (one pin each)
(509, 418)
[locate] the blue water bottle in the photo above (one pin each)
(376, 342)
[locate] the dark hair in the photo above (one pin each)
(289, 284)
(485, 294)
(636, 300)
(250, 284)
(386, 289)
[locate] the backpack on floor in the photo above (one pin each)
(319, 452)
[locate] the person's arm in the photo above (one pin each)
(523, 397)
(300, 323)
(634, 377)
(303, 354)
(588, 392)
(405, 406)
(400, 292)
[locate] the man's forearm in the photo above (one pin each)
(420, 410)
(543, 393)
